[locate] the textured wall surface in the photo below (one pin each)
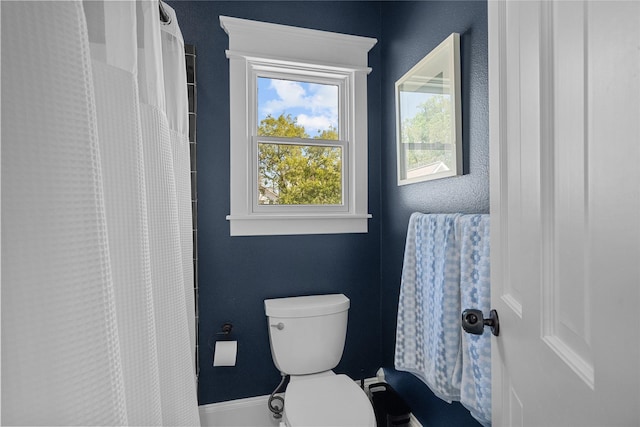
(410, 30)
(236, 274)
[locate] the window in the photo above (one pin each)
(300, 142)
(298, 137)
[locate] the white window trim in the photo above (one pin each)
(257, 47)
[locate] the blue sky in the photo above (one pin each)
(314, 105)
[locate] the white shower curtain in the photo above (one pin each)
(97, 277)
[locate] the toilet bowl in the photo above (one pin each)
(331, 400)
(307, 336)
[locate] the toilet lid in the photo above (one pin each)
(334, 400)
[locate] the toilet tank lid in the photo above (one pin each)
(306, 306)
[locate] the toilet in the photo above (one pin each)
(307, 336)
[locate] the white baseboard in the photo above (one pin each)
(253, 411)
(369, 381)
(249, 412)
(413, 421)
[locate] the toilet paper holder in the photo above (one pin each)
(225, 348)
(226, 329)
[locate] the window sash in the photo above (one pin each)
(278, 208)
(310, 74)
(334, 109)
(307, 74)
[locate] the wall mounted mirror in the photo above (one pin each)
(428, 116)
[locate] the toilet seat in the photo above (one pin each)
(333, 400)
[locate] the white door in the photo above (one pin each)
(564, 80)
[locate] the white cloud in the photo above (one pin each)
(314, 123)
(290, 95)
(325, 97)
(316, 98)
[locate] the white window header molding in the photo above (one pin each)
(266, 40)
(286, 61)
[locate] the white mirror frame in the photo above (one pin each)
(438, 72)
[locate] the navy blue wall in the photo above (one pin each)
(236, 274)
(410, 30)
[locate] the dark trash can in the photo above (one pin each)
(390, 409)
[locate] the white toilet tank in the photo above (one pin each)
(307, 333)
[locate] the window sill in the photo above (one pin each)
(275, 224)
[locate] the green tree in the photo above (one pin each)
(330, 134)
(283, 126)
(298, 174)
(429, 126)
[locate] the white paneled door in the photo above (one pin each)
(565, 204)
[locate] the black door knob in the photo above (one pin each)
(474, 322)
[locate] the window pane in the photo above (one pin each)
(296, 109)
(299, 174)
